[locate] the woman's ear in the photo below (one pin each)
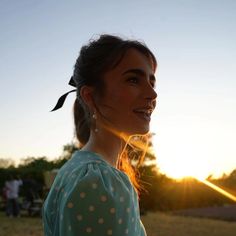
(86, 93)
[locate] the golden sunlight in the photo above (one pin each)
(218, 189)
(182, 168)
(177, 157)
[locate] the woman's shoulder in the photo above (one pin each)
(86, 169)
(89, 190)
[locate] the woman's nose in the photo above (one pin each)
(151, 93)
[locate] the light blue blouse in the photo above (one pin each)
(90, 197)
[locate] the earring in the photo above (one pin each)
(95, 118)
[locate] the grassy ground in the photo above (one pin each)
(156, 224)
(24, 226)
(160, 224)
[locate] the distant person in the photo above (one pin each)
(4, 197)
(31, 189)
(12, 186)
(95, 192)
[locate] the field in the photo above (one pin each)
(160, 224)
(156, 224)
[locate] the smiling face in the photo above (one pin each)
(129, 97)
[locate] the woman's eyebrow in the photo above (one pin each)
(139, 72)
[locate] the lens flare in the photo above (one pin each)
(218, 189)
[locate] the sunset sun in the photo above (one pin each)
(180, 158)
(182, 169)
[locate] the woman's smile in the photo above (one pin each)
(144, 113)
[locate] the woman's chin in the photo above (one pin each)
(139, 131)
(125, 132)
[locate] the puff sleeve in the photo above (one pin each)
(99, 202)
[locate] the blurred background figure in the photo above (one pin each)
(31, 191)
(12, 186)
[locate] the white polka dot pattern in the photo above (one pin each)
(94, 185)
(89, 230)
(122, 199)
(120, 221)
(100, 220)
(93, 199)
(112, 210)
(103, 198)
(70, 205)
(91, 208)
(82, 195)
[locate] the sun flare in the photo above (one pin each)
(181, 167)
(178, 157)
(179, 170)
(179, 163)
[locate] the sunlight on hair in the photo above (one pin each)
(141, 142)
(136, 140)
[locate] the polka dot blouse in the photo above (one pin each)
(90, 197)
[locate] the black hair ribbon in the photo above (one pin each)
(62, 99)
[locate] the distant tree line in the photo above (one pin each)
(166, 194)
(160, 192)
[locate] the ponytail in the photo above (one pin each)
(81, 122)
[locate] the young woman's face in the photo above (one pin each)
(129, 96)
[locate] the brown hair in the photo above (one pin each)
(94, 60)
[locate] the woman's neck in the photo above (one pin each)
(107, 144)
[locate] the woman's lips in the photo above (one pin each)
(144, 114)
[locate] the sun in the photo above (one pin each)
(181, 166)
(178, 163)
(182, 169)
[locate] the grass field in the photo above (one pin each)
(160, 224)
(156, 224)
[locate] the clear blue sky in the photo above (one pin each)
(193, 40)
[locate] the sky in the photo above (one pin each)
(193, 41)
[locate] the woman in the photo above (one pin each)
(95, 192)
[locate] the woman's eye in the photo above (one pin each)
(133, 80)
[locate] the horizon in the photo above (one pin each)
(16, 163)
